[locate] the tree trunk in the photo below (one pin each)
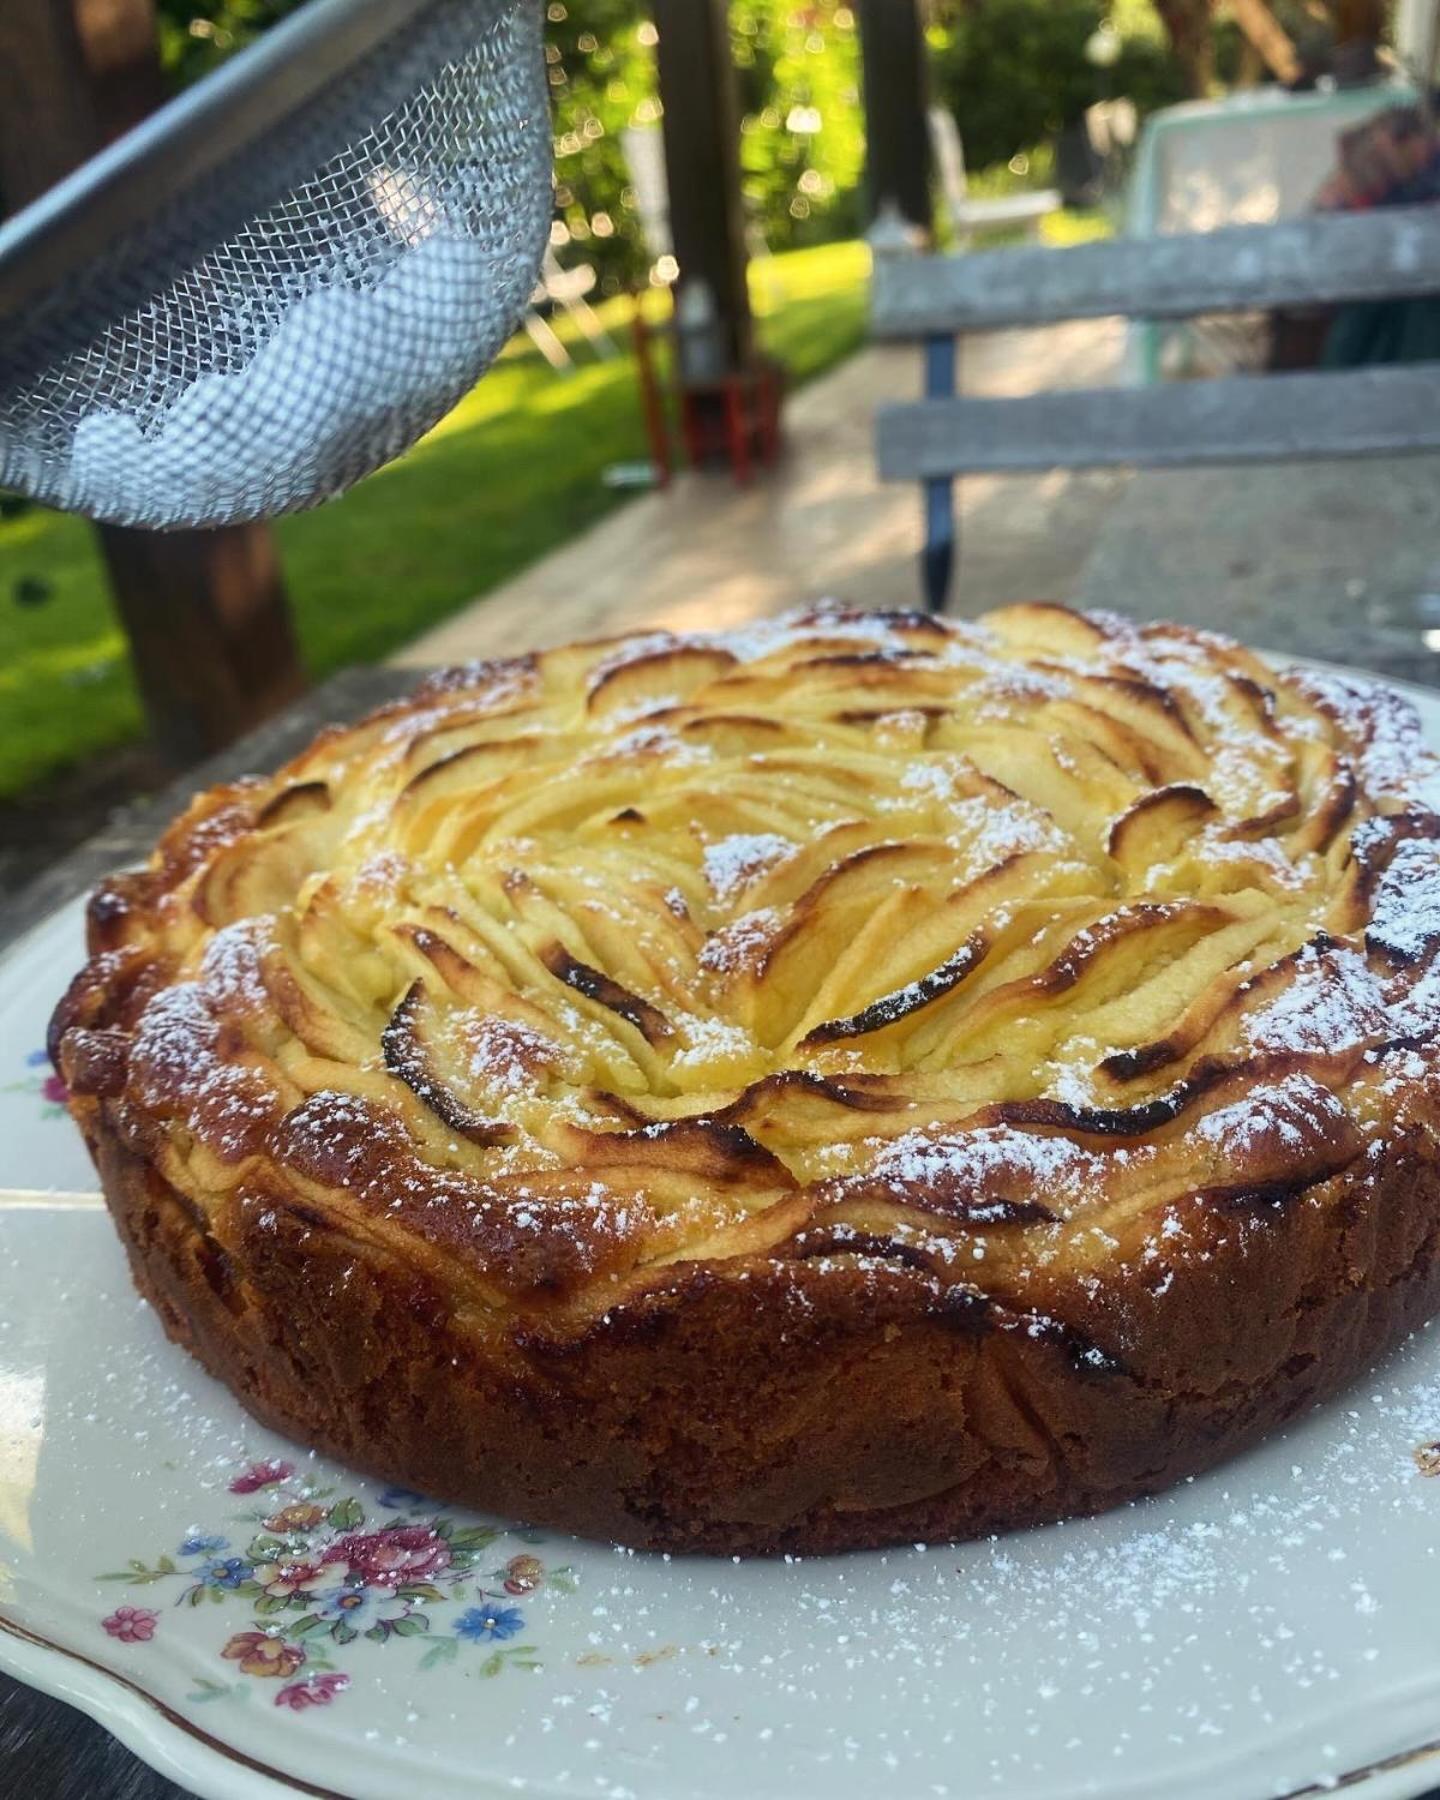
(1188, 25)
(1268, 37)
(701, 125)
(897, 132)
(1359, 25)
(205, 611)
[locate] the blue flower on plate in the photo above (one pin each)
(485, 1624)
(400, 1499)
(225, 1572)
(357, 1607)
(199, 1543)
(37, 1059)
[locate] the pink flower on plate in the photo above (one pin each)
(261, 1475)
(132, 1624)
(319, 1690)
(54, 1090)
(393, 1558)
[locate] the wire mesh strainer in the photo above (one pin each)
(287, 276)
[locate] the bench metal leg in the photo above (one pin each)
(937, 560)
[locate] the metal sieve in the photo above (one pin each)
(282, 279)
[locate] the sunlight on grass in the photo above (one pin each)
(1077, 225)
(516, 469)
(85, 661)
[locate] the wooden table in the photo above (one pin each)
(48, 1750)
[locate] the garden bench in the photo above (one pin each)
(970, 215)
(1321, 260)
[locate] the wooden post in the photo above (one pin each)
(702, 160)
(206, 614)
(897, 133)
(205, 611)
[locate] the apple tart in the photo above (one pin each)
(857, 1079)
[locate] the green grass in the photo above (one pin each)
(515, 470)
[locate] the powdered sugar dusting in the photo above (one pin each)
(176, 1071)
(742, 943)
(988, 834)
(1405, 913)
(1295, 1114)
(996, 1163)
(733, 863)
(658, 741)
(709, 1042)
(1394, 758)
(506, 1055)
(1333, 1003)
(231, 970)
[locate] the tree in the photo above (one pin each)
(195, 35)
(1015, 72)
(1188, 23)
(802, 142)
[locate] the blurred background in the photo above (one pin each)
(681, 432)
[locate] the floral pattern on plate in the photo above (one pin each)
(41, 1081)
(314, 1572)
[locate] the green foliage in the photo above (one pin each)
(513, 1656)
(802, 144)
(1147, 73)
(1014, 72)
(205, 1689)
(139, 1573)
(195, 35)
(602, 80)
(794, 61)
(442, 1649)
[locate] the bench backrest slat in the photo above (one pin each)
(1378, 255)
(1234, 419)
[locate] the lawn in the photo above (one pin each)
(515, 469)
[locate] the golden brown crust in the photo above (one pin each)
(870, 1080)
(846, 1410)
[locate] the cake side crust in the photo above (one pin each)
(761, 1408)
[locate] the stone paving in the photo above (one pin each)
(710, 554)
(1339, 561)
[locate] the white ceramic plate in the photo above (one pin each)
(1272, 1629)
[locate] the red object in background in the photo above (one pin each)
(734, 418)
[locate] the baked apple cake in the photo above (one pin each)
(858, 1079)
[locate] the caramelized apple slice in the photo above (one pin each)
(660, 677)
(409, 1045)
(1156, 828)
